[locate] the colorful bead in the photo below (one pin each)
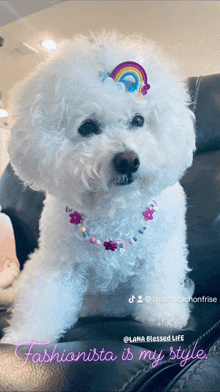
(144, 228)
(140, 231)
(85, 234)
(131, 241)
(135, 239)
(122, 244)
(92, 240)
(153, 205)
(98, 242)
(82, 229)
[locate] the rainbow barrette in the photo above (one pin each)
(135, 70)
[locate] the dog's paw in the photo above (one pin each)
(9, 340)
(167, 316)
(20, 340)
(176, 323)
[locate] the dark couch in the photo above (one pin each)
(202, 186)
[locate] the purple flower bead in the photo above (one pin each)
(75, 218)
(110, 245)
(148, 214)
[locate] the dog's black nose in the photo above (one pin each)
(126, 162)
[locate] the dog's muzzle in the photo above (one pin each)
(125, 165)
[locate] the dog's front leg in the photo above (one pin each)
(162, 309)
(47, 304)
(165, 290)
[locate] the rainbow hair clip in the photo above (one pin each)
(130, 68)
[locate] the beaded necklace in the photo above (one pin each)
(121, 245)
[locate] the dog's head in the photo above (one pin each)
(84, 138)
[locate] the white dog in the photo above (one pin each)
(104, 128)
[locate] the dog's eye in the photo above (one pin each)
(89, 127)
(137, 121)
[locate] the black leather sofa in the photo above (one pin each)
(202, 186)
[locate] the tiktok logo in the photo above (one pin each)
(131, 300)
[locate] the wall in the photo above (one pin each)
(187, 30)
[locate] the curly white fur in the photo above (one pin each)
(67, 276)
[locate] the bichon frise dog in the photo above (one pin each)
(104, 128)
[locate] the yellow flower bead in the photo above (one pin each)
(82, 229)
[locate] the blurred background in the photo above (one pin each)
(187, 30)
